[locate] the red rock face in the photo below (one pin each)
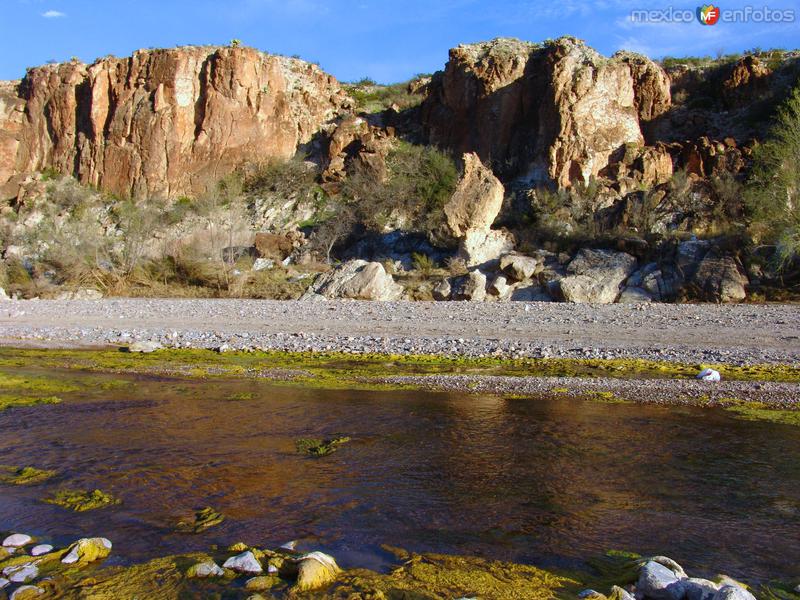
(557, 111)
(162, 122)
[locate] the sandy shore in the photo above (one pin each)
(734, 334)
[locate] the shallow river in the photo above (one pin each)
(550, 482)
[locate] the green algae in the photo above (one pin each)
(14, 401)
(24, 475)
(203, 519)
(82, 500)
(241, 396)
(319, 447)
(760, 411)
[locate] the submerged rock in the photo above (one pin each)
(315, 570)
(88, 550)
(262, 583)
(26, 592)
(21, 573)
(17, 540)
(41, 549)
(205, 569)
(203, 519)
(81, 500)
(245, 562)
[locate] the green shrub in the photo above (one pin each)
(423, 263)
(773, 191)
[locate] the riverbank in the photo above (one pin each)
(688, 333)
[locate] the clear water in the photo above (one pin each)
(551, 482)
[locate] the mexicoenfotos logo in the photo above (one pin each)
(708, 14)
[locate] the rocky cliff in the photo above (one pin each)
(554, 111)
(161, 122)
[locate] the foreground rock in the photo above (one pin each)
(356, 280)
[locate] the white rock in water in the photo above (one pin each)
(245, 562)
(709, 375)
(4, 582)
(733, 592)
(289, 545)
(17, 540)
(26, 591)
(41, 549)
(144, 347)
(21, 573)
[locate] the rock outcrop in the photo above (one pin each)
(556, 111)
(477, 199)
(161, 122)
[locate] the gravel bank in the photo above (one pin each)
(733, 334)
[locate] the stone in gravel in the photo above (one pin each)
(26, 592)
(245, 562)
(41, 549)
(144, 347)
(88, 550)
(733, 592)
(21, 573)
(634, 295)
(709, 375)
(17, 540)
(657, 582)
(205, 569)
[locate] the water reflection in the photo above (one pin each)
(549, 481)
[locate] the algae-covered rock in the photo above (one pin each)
(315, 570)
(203, 519)
(205, 569)
(238, 547)
(435, 576)
(144, 347)
(246, 562)
(24, 475)
(26, 592)
(87, 550)
(81, 500)
(17, 540)
(262, 583)
(618, 593)
(320, 447)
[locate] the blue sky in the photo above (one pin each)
(388, 41)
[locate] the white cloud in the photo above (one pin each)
(53, 14)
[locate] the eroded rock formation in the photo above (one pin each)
(161, 122)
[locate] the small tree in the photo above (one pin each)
(235, 43)
(773, 192)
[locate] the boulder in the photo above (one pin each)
(273, 246)
(477, 199)
(720, 278)
(471, 287)
(442, 290)
(356, 279)
(17, 540)
(700, 589)
(41, 549)
(245, 562)
(3, 295)
(262, 264)
(732, 592)
(595, 276)
(618, 593)
(634, 295)
(315, 570)
(518, 266)
(262, 583)
(531, 293)
(205, 569)
(499, 287)
(481, 246)
(657, 582)
(87, 550)
(145, 347)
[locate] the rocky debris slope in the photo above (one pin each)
(161, 122)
